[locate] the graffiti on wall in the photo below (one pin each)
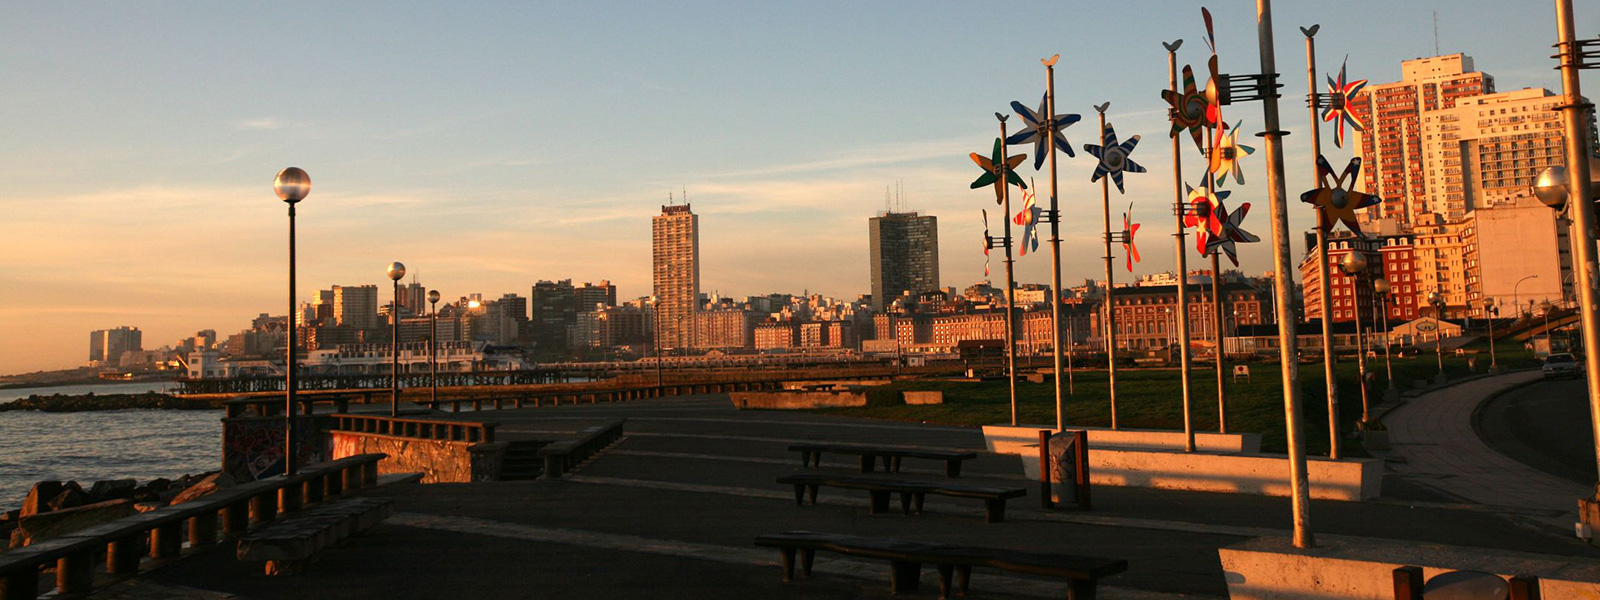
(253, 448)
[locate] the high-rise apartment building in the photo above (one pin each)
(1394, 150)
(108, 345)
(675, 235)
(356, 306)
(904, 255)
(1488, 149)
(589, 296)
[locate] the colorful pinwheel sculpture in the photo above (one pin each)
(1188, 109)
(1128, 229)
(1207, 215)
(1338, 111)
(1038, 131)
(998, 172)
(985, 242)
(1213, 85)
(1337, 198)
(1028, 218)
(1225, 154)
(1231, 233)
(1113, 158)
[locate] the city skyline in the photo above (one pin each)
(138, 195)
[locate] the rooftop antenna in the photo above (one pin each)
(669, 197)
(887, 207)
(1436, 33)
(685, 191)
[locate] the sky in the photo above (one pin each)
(489, 145)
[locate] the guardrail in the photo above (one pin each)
(560, 457)
(427, 429)
(123, 541)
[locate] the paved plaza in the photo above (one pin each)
(673, 508)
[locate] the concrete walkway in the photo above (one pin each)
(1441, 450)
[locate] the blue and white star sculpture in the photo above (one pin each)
(1114, 158)
(1039, 130)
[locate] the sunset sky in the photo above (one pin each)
(489, 145)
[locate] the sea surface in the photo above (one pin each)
(117, 444)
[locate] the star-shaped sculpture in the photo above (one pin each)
(1187, 109)
(1338, 111)
(1028, 218)
(1114, 158)
(1231, 233)
(998, 172)
(1128, 229)
(1337, 198)
(1039, 130)
(1226, 152)
(1207, 214)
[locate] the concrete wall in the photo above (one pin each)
(924, 397)
(1259, 474)
(439, 461)
(797, 400)
(1362, 568)
(1008, 439)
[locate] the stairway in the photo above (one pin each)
(522, 460)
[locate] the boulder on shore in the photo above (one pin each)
(112, 489)
(40, 527)
(39, 497)
(210, 484)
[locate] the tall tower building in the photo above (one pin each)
(1492, 147)
(675, 235)
(905, 255)
(356, 306)
(1394, 151)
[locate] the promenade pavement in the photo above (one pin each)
(1441, 450)
(672, 509)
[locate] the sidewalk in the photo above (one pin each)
(1434, 434)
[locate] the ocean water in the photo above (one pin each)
(116, 444)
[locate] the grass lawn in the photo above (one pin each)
(1152, 398)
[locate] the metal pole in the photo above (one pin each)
(1011, 282)
(433, 357)
(1178, 201)
(288, 366)
(1072, 341)
(1438, 333)
(1298, 484)
(1111, 309)
(1493, 364)
(1582, 233)
(1221, 331)
(1324, 287)
(1361, 353)
(1055, 243)
(1387, 366)
(656, 342)
(394, 354)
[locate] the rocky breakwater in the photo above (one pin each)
(53, 508)
(91, 401)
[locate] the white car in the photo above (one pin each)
(1563, 364)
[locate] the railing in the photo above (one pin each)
(123, 542)
(560, 457)
(427, 429)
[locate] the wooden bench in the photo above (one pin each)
(907, 557)
(811, 454)
(288, 545)
(911, 492)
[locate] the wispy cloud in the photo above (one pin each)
(263, 123)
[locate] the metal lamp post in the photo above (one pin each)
(1324, 285)
(396, 272)
(1488, 315)
(1380, 286)
(1437, 300)
(292, 185)
(1181, 208)
(1354, 264)
(433, 348)
(1515, 296)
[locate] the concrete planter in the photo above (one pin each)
(1362, 568)
(794, 400)
(1228, 473)
(1008, 439)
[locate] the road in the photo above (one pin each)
(1545, 425)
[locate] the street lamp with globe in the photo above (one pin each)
(397, 271)
(1437, 300)
(1381, 287)
(292, 185)
(433, 347)
(1354, 264)
(1489, 313)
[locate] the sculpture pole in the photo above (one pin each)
(1178, 210)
